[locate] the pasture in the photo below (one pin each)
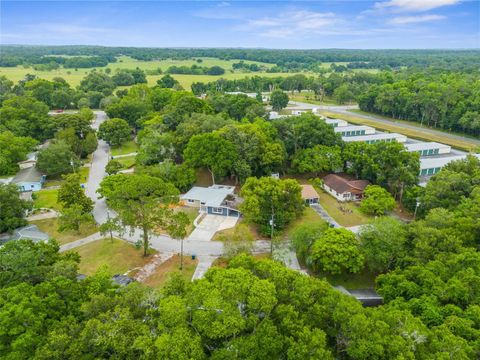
(74, 76)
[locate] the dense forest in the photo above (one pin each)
(285, 60)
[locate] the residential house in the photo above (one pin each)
(215, 199)
(31, 232)
(29, 179)
(343, 189)
(309, 194)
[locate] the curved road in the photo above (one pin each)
(345, 110)
(161, 243)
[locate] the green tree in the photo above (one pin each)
(71, 193)
(177, 228)
(167, 81)
(12, 150)
(113, 167)
(266, 196)
(12, 208)
(278, 100)
(115, 131)
(336, 251)
(72, 217)
(318, 159)
(140, 201)
(57, 159)
(383, 243)
(304, 236)
(376, 201)
(212, 152)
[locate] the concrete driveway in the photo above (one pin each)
(210, 225)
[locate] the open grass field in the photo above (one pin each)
(163, 272)
(46, 199)
(309, 97)
(74, 77)
(419, 133)
(119, 256)
(126, 148)
(50, 226)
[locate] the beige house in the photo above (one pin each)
(343, 189)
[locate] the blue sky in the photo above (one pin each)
(279, 24)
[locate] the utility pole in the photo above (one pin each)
(416, 207)
(110, 226)
(181, 253)
(272, 225)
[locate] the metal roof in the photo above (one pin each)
(418, 146)
(378, 136)
(31, 174)
(31, 232)
(211, 196)
(353, 128)
(435, 162)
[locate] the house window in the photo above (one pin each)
(217, 210)
(190, 201)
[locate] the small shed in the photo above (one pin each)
(29, 179)
(309, 194)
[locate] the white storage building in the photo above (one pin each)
(432, 165)
(376, 138)
(428, 148)
(354, 130)
(336, 122)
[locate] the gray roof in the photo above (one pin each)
(122, 280)
(418, 146)
(31, 174)
(31, 232)
(377, 136)
(211, 196)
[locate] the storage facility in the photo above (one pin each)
(336, 122)
(354, 130)
(428, 148)
(376, 138)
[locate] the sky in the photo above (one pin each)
(399, 24)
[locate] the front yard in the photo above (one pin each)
(118, 255)
(50, 226)
(360, 280)
(126, 148)
(163, 272)
(346, 214)
(46, 199)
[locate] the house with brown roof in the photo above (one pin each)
(309, 194)
(343, 189)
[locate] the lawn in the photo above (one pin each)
(46, 199)
(192, 214)
(126, 148)
(126, 161)
(419, 133)
(309, 97)
(163, 272)
(50, 226)
(119, 256)
(361, 280)
(73, 77)
(309, 217)
(350, 217)
(57, 181)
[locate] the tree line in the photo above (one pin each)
(285, 60)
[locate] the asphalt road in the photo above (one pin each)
(345, 110)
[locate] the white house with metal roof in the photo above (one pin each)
(376, 138)
(215, 199)
(354, 130)
(428, 148)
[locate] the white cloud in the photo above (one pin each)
(401, 20)
(223, 4)
(414, 5)
(292, 23)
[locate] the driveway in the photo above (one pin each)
(210, 225)
(324, 215)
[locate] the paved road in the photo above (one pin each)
(97, 172)
(345, 110)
